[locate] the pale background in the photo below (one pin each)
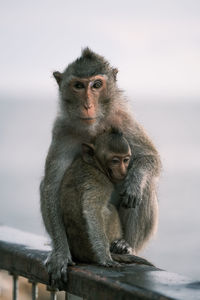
(156, 46)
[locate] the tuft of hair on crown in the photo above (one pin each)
(88, 53)
(116, 141)
(115, 130)
(89, 64)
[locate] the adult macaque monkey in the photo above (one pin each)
(92, 223)
(90, 102)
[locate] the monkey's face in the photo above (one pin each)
(118, 166)
(83, 97)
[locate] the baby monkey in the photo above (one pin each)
(92, 223)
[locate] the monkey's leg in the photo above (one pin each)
(94, 217)
(60, 256)
(57, 162)
(121, 251)
(114, 231)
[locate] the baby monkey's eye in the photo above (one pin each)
(79, 85)
(115, 160)
(97, 84)
(126, 160)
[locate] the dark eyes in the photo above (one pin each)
(115, 161)
(126, 160)
(97, 84)
(79, 85)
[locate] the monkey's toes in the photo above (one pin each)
(111, 263)
(121, 247)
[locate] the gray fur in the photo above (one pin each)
(138, 189)
(92, 224)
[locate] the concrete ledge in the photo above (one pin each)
(24, 253)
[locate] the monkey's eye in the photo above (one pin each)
(79, 85)
(126, 160)
(97, 84)
(115, 160)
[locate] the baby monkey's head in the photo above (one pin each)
(110, 152)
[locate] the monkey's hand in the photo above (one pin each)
(130, 194)
(56, 264)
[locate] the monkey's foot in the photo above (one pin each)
(109, 263)
(56, 264)
(121, 247)
(130, 259)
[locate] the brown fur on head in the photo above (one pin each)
(87, 65)
(87, 89)
(110, 152)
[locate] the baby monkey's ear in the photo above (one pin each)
(88, 151)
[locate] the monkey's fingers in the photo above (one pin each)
(57, 274)
(52, 280)
(134, 201)
(127, 198)
(130, 194)
(56, 264)
(128, 201)
(64, 274)
(124, 199)
(64, 269)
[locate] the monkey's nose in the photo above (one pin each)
(123, 172)
(87, 106)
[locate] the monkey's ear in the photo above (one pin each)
(88, 152)
(115, 71)
(58, 77)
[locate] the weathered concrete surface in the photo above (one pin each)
(25, 253)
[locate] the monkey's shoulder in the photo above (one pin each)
(83, 174)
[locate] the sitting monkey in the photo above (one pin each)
(92, 223)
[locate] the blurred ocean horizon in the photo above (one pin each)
(25, 135)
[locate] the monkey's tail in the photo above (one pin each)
(130, 259)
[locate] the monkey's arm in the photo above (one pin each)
(60, 257)
(145, 166)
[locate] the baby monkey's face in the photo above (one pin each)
(110, 153)
(117, 165)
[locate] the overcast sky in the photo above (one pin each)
(154, 43)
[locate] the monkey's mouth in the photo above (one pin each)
(88, 120)
(114, 179)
